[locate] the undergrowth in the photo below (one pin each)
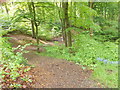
(12, 64)
(86, 51)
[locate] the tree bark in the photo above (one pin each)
(32, 21)
(35, 22)
(64, 23)
(68, 33)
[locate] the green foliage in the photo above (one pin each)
(27, 69)
(112, 24)
(11, 62)
(7, 53)
(21, 27)
(5, 22)
(85, 51)
(15, 85)
(26, 79)
(101, 18)
(106, 50)
(48, 32)
(109, 33)
(84, 16)
(107, 75)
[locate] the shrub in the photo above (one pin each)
(11, 62)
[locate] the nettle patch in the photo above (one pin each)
(13, 70)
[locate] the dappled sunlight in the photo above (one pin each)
(59, 44)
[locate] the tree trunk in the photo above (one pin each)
(69, 39)
(64, 23)
(34, 14)
(37, 38)
(68, 33)
(32, 21)
(91, 3)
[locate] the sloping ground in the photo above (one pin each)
(53, 73)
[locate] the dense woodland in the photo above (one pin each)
(83, 32)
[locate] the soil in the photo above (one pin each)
(51, 72)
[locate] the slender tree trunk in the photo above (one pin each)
(68, 25)
(32, 21)
(91, 3)
(37, 39)
(68, 36)
(33, 29)
(64, 23)
(69, 39)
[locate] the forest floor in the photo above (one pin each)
(51, 72)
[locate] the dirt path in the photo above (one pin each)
(53, 73)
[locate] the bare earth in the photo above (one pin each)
(51, 72)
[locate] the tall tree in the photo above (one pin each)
(64, 22)
(67, 34)
(32, 19)
(36, 25)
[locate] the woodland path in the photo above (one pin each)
(51, 72)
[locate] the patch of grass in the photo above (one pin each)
(107, 74)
